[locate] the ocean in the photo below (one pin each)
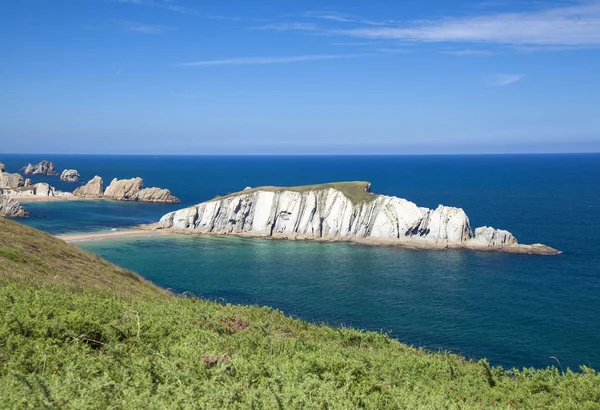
(515, 310)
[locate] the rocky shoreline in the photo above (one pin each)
(15, 188)
(340, 213)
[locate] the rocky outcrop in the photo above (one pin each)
(93, 189)
(11, 180)
(155, 195)
(69, 175)
(124, 189)
(132, 190)
(2, 167)
(27, 182)
(43, 168)
(11, 208)
(328, 213)
(41, 189)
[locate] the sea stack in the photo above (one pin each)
(345, 211)
(93, 189)
(69, 175)
(132, 190)
(43, 168)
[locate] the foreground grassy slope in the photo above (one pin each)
(28, 256)
(355, 191)
(91, 346)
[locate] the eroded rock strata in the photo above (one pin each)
(133, 190)
(341, 212)
(11, 208)
(93, 189)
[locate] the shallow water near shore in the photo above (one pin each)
(516, 310)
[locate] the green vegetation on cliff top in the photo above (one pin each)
(355, 191)
(78, 332)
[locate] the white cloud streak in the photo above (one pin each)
(575, 25)
(170, 5)
(270, 60)
(144, 28)
(563, 26)
(502, 80)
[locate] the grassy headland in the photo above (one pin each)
(356, 191)
(78, 332)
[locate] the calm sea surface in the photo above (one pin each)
(516, 310)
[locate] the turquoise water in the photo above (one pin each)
(516, 310)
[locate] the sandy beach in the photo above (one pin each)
(98, 236)
(33, 198)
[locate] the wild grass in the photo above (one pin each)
(356, 191)
(29, 256)
(101, 344)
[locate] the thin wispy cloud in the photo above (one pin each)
(502, 80)
(468, 52)
(572, 25)
(567, 26)
(270, 60)
(170, 5)
(144, 28)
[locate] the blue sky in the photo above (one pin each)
(299, 77)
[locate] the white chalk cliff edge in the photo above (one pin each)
(345, 211)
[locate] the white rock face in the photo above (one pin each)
(490, 237)
(93, 189)
(327, 214)
(323, 214)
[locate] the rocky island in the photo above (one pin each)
(43, 168)
(69, 175)
(125, 190)
(345, 211)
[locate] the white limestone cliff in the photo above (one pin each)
(326, 213)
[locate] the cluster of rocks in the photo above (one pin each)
(14, 186)
(42, 168)
(125, 190)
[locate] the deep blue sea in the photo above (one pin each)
(516, 310)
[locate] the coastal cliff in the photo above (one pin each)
(345, 211)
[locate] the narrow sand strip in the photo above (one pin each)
(87, 237)
(58, 198)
